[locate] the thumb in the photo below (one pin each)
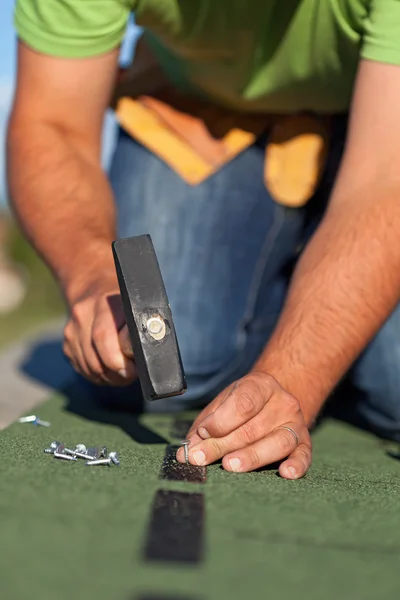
(125, 342)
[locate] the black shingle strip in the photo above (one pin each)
(172, 470)
(176, 529)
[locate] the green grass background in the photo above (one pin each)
(69, 531)
(43, 300)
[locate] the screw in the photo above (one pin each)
(103, 461)
(41, 423)
(113, 456)
(29, 419)
(156, 327)
(52, 448)
(81, 452)
(35, 420)
(185, 444)
(84, 455)
(64, 456)
(60, 453)
(78, 454)
(92, 453)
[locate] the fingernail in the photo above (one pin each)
(199, 457)
(292, 471)
(202, 431)
(235, 464)
(123, 373)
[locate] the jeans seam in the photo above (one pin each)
(261, 265)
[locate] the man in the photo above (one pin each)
(238, 208)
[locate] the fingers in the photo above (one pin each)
(202, 452)
(92, 344)
(244, 400)
(258, 451)
(298, 463)
(253, 423)
(74, 351)
(125, 342)
(193, 435)
(104, 339)
(209, 409)
(83, 356)
(274, 447)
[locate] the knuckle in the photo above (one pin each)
(99, 333)
(292, 404)
(305, 452)
(215, 447)
(245, 403)
(248, 433)
(68, 332)
(265, 380)
(215, 424)
(253, 458)
(96, 369)
(285, 441)
(304, 458)
(78, 312)
(307, 441)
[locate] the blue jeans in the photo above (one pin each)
(227, 252)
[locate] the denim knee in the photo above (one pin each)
(376, 377)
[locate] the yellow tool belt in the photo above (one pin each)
(196, 138)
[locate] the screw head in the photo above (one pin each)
(113, 456)
(81, 448)
(156, 327)
(52, 448)
(92, 453)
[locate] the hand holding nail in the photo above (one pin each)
(251, 424)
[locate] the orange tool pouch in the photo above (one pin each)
(196, 138)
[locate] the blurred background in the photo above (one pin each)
(28, 295)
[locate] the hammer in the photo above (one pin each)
(149, 318)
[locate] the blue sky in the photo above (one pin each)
(7, 68)
(7, 71)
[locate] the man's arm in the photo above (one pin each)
(61, 195)
(344, 287)
(347, 281)
(58, 190)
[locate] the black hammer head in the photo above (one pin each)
(149, 319)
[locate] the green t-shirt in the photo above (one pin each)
(268, 55)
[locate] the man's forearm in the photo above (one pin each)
(345, 286)
(63, 202)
